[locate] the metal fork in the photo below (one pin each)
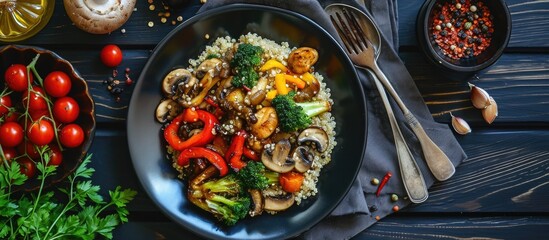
(363, 55)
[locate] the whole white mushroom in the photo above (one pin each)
(99, 16)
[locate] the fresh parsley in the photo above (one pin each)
(76, 211)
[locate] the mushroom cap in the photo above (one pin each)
(99, 16)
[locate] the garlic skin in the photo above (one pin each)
(460, 125)
(490, 112)
(479, 97)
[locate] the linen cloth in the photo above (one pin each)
(353, 214)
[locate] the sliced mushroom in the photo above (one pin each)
(178, 81)
(302, 59)
(235, 101)
(167, 110)
(212, 66)
(99, 16)
(307, 93)
(315, 135)
(267, 121)
(258, 92)
(258, 202)
(303, 158)
(277, 160)
(279, 203)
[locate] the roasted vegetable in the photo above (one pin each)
(293, 116)
(255, 176)
(245, 60)
(226, 199)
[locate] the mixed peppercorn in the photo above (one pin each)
(462, 28)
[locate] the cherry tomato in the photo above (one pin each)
(71, 135)
(16, 77)
(11, 117)
(111, 55)
(37, 101)
(27, 166)
(56, 157)
(29, 148)
(9, 153)
(291, 181)
(36, 115)
(57, 84)
(40, 132)
(5, 104)
(66, 110)
(11, 134)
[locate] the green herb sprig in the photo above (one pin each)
(41, 215)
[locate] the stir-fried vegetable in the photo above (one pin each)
(232, 122)
(294, 116)
(255, 176)
(246, 58)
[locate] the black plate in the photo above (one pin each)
(187, 41)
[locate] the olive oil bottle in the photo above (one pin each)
(21, 19)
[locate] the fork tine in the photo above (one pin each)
(356, 29)
(348, 43)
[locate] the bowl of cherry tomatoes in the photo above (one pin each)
(46, 113)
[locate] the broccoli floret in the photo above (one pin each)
(226, 199)
(255, 176)
(293, 116)
(229, 210)
(229, 184)
(246, 58)
(212, 55)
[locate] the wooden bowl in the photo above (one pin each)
(48, 62)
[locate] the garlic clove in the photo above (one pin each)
(490, 112)
(460, 125)
(479, 97)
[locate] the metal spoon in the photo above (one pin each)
(438, 162)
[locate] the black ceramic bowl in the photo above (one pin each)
(145, 141)
(48, 62)
(500, 38)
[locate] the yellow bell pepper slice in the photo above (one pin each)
(308, 77)
(280, 84)
(271, 95)
(271, 63)
(295, 80)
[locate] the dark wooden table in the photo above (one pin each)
(500, 192)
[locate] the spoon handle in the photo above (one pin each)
(438, 162)
(411, 174)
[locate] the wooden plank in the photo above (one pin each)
(60, 30)
(398, 226)
(518, 83)
(529, 22)
(505, 168)
(460, 227)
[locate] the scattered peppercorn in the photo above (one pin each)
(394, 197)
(396, 208)
(374, 181)
(373, 208)
(378, 218)
(467, 25)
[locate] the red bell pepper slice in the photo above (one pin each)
(200, 152)
(191, 115)
(251, 154)
(235, 151)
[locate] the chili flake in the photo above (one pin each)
(463, 29)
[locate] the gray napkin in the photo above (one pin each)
(353, 214)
